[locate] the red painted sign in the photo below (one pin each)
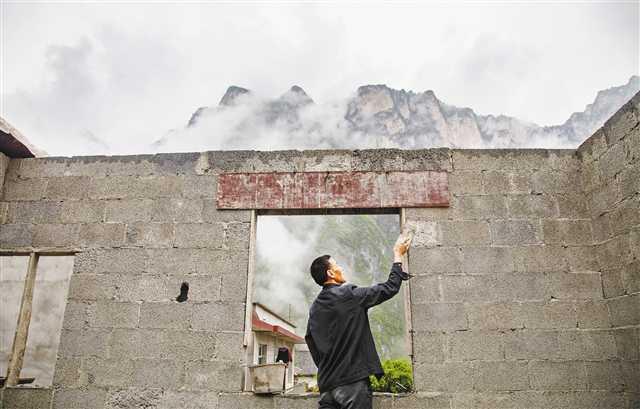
(330, 190)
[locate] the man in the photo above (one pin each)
(338, 333)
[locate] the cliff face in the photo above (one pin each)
(379, 116)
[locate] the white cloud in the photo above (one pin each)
(126, 73)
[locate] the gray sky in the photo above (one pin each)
(128, 72)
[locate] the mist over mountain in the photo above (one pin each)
(377, 116)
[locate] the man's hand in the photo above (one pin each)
(402, 245)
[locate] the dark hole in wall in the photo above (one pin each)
(184, 291)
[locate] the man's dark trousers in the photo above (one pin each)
(355, 395)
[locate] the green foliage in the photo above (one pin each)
(397, 377)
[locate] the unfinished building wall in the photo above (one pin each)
(611, 160)
(507, 305)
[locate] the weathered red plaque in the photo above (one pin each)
(327, 190)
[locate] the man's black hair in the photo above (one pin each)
(319, 269)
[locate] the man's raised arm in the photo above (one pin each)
(379, 293)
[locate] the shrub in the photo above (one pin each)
(397, 377)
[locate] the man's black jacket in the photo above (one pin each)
(338, 333)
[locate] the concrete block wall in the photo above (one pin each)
(512, 305)
(611, 162)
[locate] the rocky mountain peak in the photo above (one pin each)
(296, 97)
(230, 97)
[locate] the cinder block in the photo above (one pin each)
(531, 344)
(218, 317)
(439, 317)
(78, 315)
(531, 206)
(505, 182)
(547, 375)
(605, 375)
(33, 212)
(574, 205)
(627, 343)
(130, 261)
(520, 287)
(623, 310)
(234, 286)
(128, 210)
(211, 214)
(461, 233)
(593, 314)
(191, 235)
(150, 235)
(495, 316)
(430, 213)
(546, 258)
(581, 258)
(101, 235)
(425, 289)
(83, 343)
(427, 234)
(630, 181)
(201, 186)
(501, 376)
(195, 400)
(447, 377)
(237, 236)
(130, 343)
(475, 345)
(32, 398)
(619, 125)
(220, 376)
(68, 373)
(487, 260)
(16, 235)
(229, 347)
(158, 373)
(116, 314)
(466, 183)
(79, 398)
(612, 282)
(202, 288)
(245, 400)
(435, 260)
(550, 315)
(80, 211)
(515, 232)
(179, 210)
(133, 398)
(109, 372)
(585, 285)
(55, 235)
(625, 217)
(68, 187)
(557, 181)
(480, 207)
(24, 189)
(469, 288)
(171, 315)
(428, 347)
(568, 232)
(421, 400)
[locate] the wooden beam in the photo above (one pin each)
(407, 296)
(247, 382)
(250, 277)
(22, 328)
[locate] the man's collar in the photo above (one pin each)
(330, 285)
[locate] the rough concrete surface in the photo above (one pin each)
(526, 295)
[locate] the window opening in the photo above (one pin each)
(285, 246)
(30, 341)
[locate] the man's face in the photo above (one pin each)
(335, 272)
